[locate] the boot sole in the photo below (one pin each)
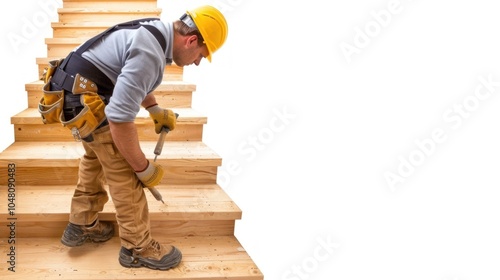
(131, 262)
(79, 240)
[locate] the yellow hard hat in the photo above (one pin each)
(212, 26)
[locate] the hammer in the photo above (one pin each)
(158, 149)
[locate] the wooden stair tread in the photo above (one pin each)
(67, 154)
(182, 202)
(213, 257)
(166, 85)
(186, 116)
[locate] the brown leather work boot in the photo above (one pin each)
(154, 256)
(75, 235)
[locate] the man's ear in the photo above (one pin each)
(193, 39)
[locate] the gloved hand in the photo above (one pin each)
(162, 117)
(152, 175)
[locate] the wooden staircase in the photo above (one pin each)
(198, 217)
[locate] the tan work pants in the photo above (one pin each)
(101, 164)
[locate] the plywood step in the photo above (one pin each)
(169, 94)
(28, 126)
(210, 258)
(56, 163)
(202, 209)
(171, 73)
(105, 14)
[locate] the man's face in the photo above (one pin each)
(190, 52)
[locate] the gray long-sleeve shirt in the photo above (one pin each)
(134, 61)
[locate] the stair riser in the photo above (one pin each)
(166, 99)
(39, 176)
(45, 227)
(58, 133)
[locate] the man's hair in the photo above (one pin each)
(184, 30)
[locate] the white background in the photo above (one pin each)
(316, 176)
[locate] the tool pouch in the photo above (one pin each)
(51, 104)
(92, 114)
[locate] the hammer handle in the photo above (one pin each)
(161, 140)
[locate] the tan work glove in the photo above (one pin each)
(152, 175)
(162, 118)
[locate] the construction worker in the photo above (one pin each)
(96, 92)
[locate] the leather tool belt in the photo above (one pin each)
(81, 109)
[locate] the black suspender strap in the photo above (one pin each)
(159, 37)
(134, 24)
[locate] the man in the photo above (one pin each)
(97, 92)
